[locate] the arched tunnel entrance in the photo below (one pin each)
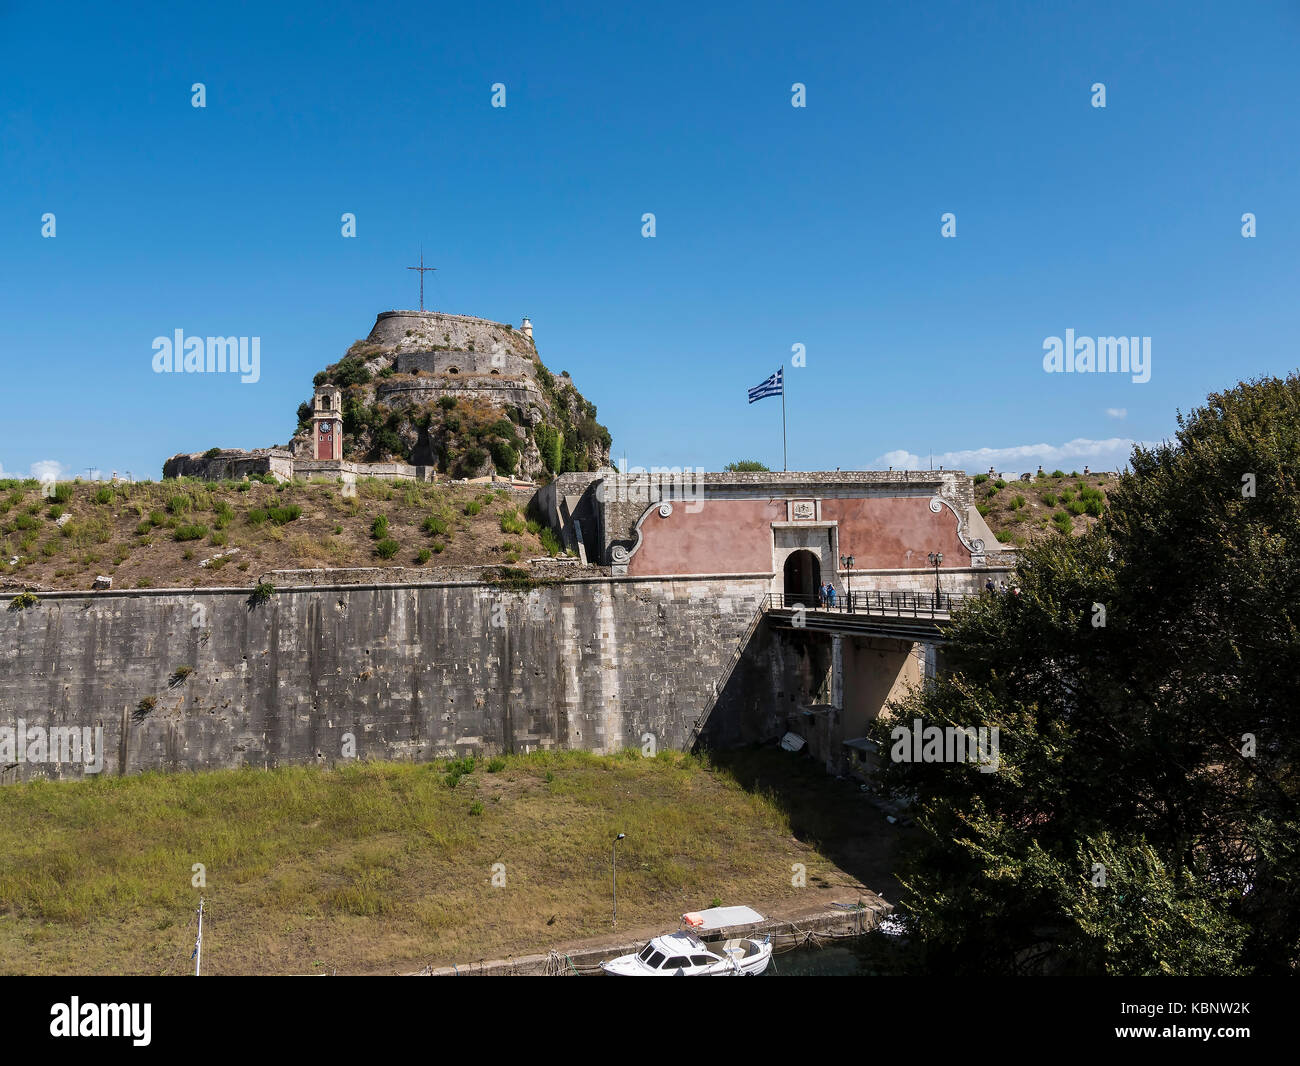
(803, 576)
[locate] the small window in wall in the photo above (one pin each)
(453, 370)
(495, 371)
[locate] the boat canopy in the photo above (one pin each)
(721, 917)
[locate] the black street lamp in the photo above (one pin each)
(846, 564)
(936, 558)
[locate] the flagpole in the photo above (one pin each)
(785, 462)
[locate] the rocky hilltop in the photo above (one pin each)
(465, 395)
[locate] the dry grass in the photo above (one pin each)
(132, 536)
(1042, 497)
(387, 866)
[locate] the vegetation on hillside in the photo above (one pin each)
(1145, 817)
(1021, 512)
(462, 436)
(188, 532)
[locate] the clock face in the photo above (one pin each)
(324, 429)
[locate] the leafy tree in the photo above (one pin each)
(745, 466)
(1143, 685)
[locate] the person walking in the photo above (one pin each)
(988, 586)
(830, 593)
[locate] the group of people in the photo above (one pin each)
(826, 595)
(1002, 587)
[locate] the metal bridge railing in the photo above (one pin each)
(874, 602)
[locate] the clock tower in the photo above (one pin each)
(327, 422)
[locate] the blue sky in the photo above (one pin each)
(775, 225)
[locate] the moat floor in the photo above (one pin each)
(394, 867)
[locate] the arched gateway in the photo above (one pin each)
(803, 575)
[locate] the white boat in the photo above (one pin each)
(684, 954)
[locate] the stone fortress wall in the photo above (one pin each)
(430, 331)
(411, 672)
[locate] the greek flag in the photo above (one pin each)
(773, 386)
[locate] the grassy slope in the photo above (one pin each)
(387, 866)
(333, 530)
(1034, 519)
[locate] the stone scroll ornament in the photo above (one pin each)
(976, 545)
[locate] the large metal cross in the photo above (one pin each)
(422, 268)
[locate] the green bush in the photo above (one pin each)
(439, 547)
(191, 532)
(23, 601)
(999, 485)
(504, 457)
(1049, 498)
(261, 593)
(350, 370)
(179, 505)
(496, 764)
(979, 479)
(1076, 507)
(1017, 502)
(379, 527)
(62, 492)
(423, 556)
(25, 521)
(387, 548)
(512, 522)
(103, 495)
(550, 543)
(1094, 508)
(1058, 473)
(473, 507)
(283, 515)
(435, 524)
(983, 509)
(256, 516)
(222, 509)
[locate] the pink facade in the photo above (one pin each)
(754, 535)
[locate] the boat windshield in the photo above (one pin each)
(646, 952)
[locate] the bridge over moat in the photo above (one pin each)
(826, 671)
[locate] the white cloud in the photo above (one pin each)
(899, 460)
(48, 470)
(1109, 454)
(1117, 412)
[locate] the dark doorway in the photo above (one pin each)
(803, 575)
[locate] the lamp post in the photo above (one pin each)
(616, 840)
(846, 564)
(935, 559)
